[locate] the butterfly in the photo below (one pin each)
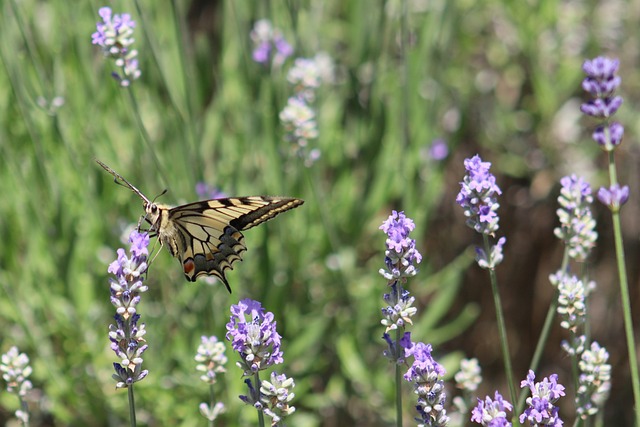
(206, 236)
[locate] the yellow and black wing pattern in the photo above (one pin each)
(206, 236)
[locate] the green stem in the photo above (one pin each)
(398, 373)
(544, 336)
(626, 310)
(624, 294)
(24, 406)
(502, 330)
(257, 397)
(212, 402)
(132, 407)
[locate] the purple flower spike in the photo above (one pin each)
(115, 36)
(126, 336)
(478, 196)
(492, 413)
(544, 394)
(401, 254)
(426, 376)
(601, 77)
(252, 333)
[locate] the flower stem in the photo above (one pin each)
(24, 406)
(132, 407)
(398, 378)
(257, 398)
(624, 294)
(502, 330)
(626, 311)
(212, 402)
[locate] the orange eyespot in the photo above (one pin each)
(188, 266)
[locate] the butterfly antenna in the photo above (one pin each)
(159, 195)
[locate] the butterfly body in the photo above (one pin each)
(206, 236)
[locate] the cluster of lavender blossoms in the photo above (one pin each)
(269, 45)
(16, 370)
(577, 231)
(253, 335)
(594, 382)
(299, 117)
(601, 83)
(577, 225)
(115, 36)
(424, 373)
(426, 376)
(401, 257)
(492, 412)
(206, 191)
(126, 336)
(211, 360)
(544, 395)
(468, 378)
(478, 197)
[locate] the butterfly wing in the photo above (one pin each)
(206, 236)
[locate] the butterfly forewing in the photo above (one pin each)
(206, 235)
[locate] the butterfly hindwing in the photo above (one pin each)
(206, 236)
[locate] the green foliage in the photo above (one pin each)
(204, 111)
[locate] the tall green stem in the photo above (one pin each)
(502, 330)
(398, 376)
(624, 293)
(256, 378)
(132, 407)
(626, 310)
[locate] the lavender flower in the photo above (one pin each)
(541, 410)
(276, 395)
(399, 310)
(601, 83)
(114, 35)
(494, 257)
(127, 338)
(16, 370)
(299, 123)
(438, 150)
(477, 196)
(577, 226)
(594, 380)
(269, 44)
(211, 360)
(205, 191)
(426, 376)
(470, 375)
(397, 353)
(492, 413)
(614, 197)
(252, 333)
(305, 78)
(401, 254)
(571, 302)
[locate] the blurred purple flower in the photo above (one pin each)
(614, 197)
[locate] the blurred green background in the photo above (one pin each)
(497, 78)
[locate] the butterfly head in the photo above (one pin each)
(152, 211)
